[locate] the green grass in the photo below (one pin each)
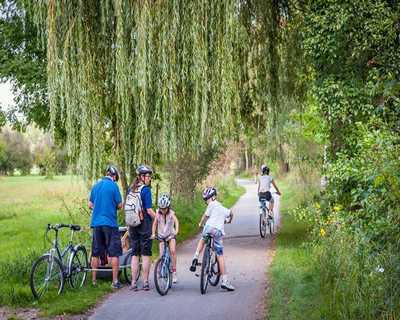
(294, 277)
(29, 203)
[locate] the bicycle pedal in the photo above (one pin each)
(197, 274)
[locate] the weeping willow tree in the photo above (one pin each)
(150, 81)
(143, 80)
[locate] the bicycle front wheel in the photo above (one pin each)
(263, 227)
(77, 267)
(47, 276)
(205, 269)
(162, 277)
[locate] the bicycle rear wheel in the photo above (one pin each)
(46, 276)
(263, 227)
(77, 267)
(128, 268)
(214, 275)
(205, 269)
(162, 277)
(271, 226)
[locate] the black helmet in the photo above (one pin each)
(209, 192)
(112, 171)
(142, 169)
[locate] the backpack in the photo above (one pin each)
(133, 208)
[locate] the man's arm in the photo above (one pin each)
(91, 205)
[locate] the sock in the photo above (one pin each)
(196, 255)
(224, 278)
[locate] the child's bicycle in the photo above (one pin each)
(266, 219)
(163, 270)
(209, 266)
(49, 272)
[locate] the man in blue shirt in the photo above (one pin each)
(105, 200)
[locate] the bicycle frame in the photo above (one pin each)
(55, 250)
(166, 259)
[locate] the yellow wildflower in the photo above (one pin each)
(322, 232)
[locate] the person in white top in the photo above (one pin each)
(213, 219)
(264, 187)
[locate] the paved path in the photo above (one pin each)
(247, 258)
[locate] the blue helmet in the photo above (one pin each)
(209, 192)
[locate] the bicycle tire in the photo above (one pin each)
(128, 268)
(271, 226)
(263, 229)
(158, 269)
(37, 272)
(204, 271)
(215, 275)
(77, 267)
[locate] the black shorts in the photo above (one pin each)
(140, 242)
(106, 240)
(265, 196)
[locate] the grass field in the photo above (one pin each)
(28, 204)
(294, 277)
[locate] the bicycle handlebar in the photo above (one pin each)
(58, 226)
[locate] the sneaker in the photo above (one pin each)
(146, 286)
(116, 285)
(133, 287)
(174, 277)
(226, 285)
(194, 264)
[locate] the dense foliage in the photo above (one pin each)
(354, 48)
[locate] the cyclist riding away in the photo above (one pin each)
(213, 221)
(264, 187)
(166, 225)
(105, 199)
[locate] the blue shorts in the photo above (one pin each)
(218, 237)
(106, 240)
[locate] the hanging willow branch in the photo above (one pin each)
(148, 80)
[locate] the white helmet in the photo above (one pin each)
(164, 201)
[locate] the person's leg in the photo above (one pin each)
(146, 267)
(95, 265)
(161, 248)
(98, 249)
(115, 268)
(146, 259)
(114, 250)
(221, 265)
(195, 260)
(135, 246)
(200, 247)
(172, 248)
(219, 250)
